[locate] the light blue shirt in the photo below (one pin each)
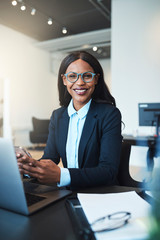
(76, 123)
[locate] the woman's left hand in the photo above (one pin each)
(45, 170)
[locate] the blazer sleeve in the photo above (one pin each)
(110, 140)
(50, 151)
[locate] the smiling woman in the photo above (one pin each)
(80, 88)
(90, 63)
(85, 132)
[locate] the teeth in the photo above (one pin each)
(80, 91)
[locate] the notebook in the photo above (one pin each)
(18, 196)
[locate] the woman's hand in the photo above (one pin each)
(45, 170)
(21, 152)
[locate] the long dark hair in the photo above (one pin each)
(101, 92)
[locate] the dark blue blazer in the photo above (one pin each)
(99, 147)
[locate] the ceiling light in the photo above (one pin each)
(33, 11)
(85, 46)
(94, 48)
(23, 7)
(14, 3)
(64, 30)
(50, 21)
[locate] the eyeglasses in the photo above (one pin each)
(86, 76)
(111, 222)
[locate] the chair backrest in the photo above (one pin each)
(39, 134)
(40, 125)
(124, 176)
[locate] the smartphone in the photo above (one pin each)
(22, 151)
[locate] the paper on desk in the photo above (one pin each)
(98, 205)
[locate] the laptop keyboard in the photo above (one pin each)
(32, 199)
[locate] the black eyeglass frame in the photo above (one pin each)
(124, 220)
(79, 74)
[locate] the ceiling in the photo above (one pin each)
(78, 16)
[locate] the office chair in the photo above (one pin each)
(39, 134)
(124, 176)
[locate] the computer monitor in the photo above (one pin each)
(149, 115)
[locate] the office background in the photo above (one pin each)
(132, 72)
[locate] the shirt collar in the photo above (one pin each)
(81, 112)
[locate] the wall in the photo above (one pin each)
(135, 58)
(106, 65)
(135, 61)
(33, 81)
(33, 87)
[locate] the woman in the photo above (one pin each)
(85, 132)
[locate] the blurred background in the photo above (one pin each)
(35, 36)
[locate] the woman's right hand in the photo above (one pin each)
(20, 153)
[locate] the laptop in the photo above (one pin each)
(19, 196)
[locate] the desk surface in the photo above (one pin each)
(49, 223)
(140, 140)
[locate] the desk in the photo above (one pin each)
(140, 140)
(50, 223)
(153, 144)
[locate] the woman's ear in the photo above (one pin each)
(63, 79)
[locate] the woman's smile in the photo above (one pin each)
(80, 91)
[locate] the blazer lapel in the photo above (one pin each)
(63, 132)
(87, 131)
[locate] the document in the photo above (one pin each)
(99, 205)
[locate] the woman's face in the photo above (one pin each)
(80, 91)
